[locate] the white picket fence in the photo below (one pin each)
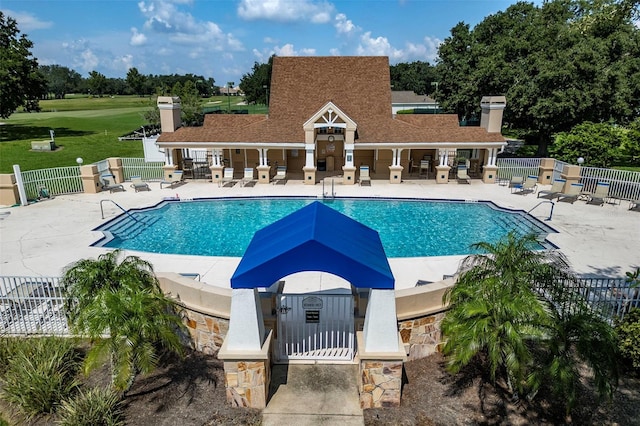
(623, 184)
(510, 167)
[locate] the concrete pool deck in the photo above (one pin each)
(42, 238)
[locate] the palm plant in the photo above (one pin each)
(121, 308)
(494, 313)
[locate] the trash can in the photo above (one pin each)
(322, 164)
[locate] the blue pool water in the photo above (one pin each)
(224, 227)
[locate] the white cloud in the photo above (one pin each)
(380, 46)
(334, 52)
(123, 62)
(27, 22)
(137, 39)
(286, 10)
(87, 60)
(344, 25)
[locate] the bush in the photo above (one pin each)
(629, 337)
(41, 375)
(98, 406)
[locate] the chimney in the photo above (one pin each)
(169, 107)
(492, 109)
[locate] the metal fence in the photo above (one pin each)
(510, 167)
(623, 184)
(32, 306)
(58, 180)
(147, 170)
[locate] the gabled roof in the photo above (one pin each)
(359, 85)
(315, 238)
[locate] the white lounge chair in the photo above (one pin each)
(556, 188)
(109, 183)
(281, 175)
(572, 193)
(171, 178)
(248, 178)
(365, 178)
(227, 177)
(138, 184)
(462, 175)
(529, 185)
(599, 197)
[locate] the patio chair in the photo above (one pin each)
(462, 175)
(515, 181)
(248, 178)
(599, 197)
(365, 178)
(529, 185)
(227, 178)
(556, 189)
(138, 184)
(280, 176)
(109, 183)
(172, 178)
(572, 193)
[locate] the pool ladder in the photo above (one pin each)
(326, 194)
(544, 202)
(118, 206)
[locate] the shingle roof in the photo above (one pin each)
(359, 85)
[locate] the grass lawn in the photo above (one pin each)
(84, 127)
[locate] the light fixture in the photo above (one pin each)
(580, 161)
(79, 160)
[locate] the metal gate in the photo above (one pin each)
(315, 327)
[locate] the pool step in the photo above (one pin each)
(128, 228)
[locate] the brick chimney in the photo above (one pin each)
(170, 108)
(492, 110)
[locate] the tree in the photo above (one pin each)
(21, 85)
(135, 80)
(60, 80)
(97, 83)
(419, 77)
(257, 83)
(558, 64)
(600, 144)
(122, 301)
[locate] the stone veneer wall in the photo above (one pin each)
(422, 335)
(380, 383)
(207, 332)
(247, 382)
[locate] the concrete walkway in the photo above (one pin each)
(318, 394)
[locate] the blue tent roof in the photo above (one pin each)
(315, 238)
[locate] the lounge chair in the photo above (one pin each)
(138, 184)
(172, 177)
(599, 197)
(365, 178)
(572, 193)
(248, 178)
(227, 178)
(634, 205)
(529, 185)
(515, 181)
(556, 189)
(462, 175)
(109, 183)
(281, 175)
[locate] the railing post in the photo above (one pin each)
(20, 185)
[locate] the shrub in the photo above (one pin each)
(41, 375)
(629, 337)
(99, 406)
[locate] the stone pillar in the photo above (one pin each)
(216, 173)
(8, 190)
(380, 383)
(442, 174)
(115, 165)
(571, 174)
(247, 375)
(264, 174)
(90, 179)
(309, 175)
(490, 174)
(545, 175)
(395, 174)
(348, 175)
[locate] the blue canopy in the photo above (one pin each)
(315, 238)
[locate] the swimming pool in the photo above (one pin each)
(225, 226)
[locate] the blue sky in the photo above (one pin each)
(222, 38)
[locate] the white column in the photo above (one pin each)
(168, 156)
(246, 326)
(263, 156)
(380, 322)
(309, 150)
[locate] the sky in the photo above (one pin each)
(223, 39)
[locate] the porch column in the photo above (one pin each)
(490, 171)
(168, 156)
(395, 169)
(442, 170)
(216, 165)
(264, 170)
(348, 170)
(545, 174)
(309, 168)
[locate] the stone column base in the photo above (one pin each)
(349, 175)
(490, 174)
(216, 173)
(395, 174)
(90, 179)
(309, 175)
(247, 376)
(545, 173)
(9, 190)
(442, 174)
(264, 174)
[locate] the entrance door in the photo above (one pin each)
(315, 327)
